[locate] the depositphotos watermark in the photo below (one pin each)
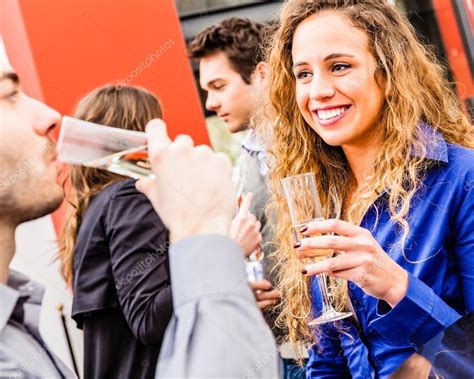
(141, 267)
(145, 64)
(28, 364)
(259, 366)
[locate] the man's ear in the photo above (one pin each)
(261, 71)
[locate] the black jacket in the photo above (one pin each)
(122, 294)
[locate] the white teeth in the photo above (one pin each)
(326, 115)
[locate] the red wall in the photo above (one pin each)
(62, 49)
(451, 36)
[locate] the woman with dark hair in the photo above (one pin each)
(363, 104)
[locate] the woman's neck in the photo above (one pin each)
(361, 158)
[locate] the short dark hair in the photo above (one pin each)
(238, 38)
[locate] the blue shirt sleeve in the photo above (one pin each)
(419, 316)
(422, 314)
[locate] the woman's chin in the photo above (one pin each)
(333, 140)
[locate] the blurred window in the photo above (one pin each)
(195, 6)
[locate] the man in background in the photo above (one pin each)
(234, 74)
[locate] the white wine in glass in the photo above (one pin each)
(133, 163)
(117, 150)
(304, 206)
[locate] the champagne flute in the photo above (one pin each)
(117, 150)
(304, 207)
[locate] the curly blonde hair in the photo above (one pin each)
(416, 89)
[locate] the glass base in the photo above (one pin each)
(329, 316)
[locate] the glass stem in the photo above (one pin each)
(327, 306)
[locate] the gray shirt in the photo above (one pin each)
(251, 172)
(23, 353)
(217, 330)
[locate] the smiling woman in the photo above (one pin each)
(342, 105)
(366, 107)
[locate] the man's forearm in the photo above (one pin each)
(217, 328)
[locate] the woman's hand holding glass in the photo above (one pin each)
(359, 258)
(304, 206)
